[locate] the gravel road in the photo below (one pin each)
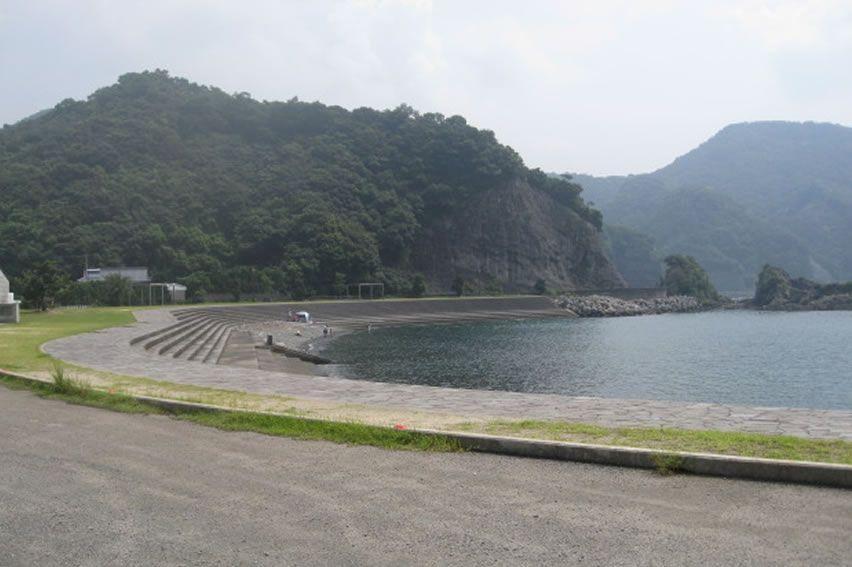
(82, 486)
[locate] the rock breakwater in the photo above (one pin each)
(606, 306)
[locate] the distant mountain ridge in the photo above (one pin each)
(777, 192)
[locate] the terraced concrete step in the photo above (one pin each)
(168, 333)
(200, 353)
(182, 341)
(140, 338)
(236, 315)
(198, 339)
(218, 347)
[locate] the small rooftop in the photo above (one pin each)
(136, 274)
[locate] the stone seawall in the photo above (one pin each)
(355, 314)
(606, 306)
(628, 293)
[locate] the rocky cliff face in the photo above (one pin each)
(510, 238)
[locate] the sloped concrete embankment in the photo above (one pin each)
(202, 333)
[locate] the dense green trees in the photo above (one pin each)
(113, 290)
(43, 285)
(46, 285)
(229, 194)
(459, 286)
(684, 276)
(418, 286)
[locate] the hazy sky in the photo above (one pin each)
(599, 87)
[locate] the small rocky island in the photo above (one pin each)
(777, 291)
(689, 289)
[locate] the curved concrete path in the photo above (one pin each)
(109, 350)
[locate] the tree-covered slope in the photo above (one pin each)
(224, 190)
(731, 244)
(776, 192)
(635, 254)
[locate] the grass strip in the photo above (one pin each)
(78, 393)
(75, 392)
(742, 444)
(334, 431)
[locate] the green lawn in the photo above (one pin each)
(19, 344)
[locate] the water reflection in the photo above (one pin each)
(776, 359)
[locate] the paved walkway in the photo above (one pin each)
(81, 486)
(109, 350)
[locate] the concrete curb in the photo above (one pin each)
(707, 464)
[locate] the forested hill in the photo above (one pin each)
(213, 189)
(777, 192)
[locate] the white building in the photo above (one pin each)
(10, 310)
(177, 292)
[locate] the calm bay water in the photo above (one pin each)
(736, 357)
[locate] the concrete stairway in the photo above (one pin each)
(202, 333)
(198, 334)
